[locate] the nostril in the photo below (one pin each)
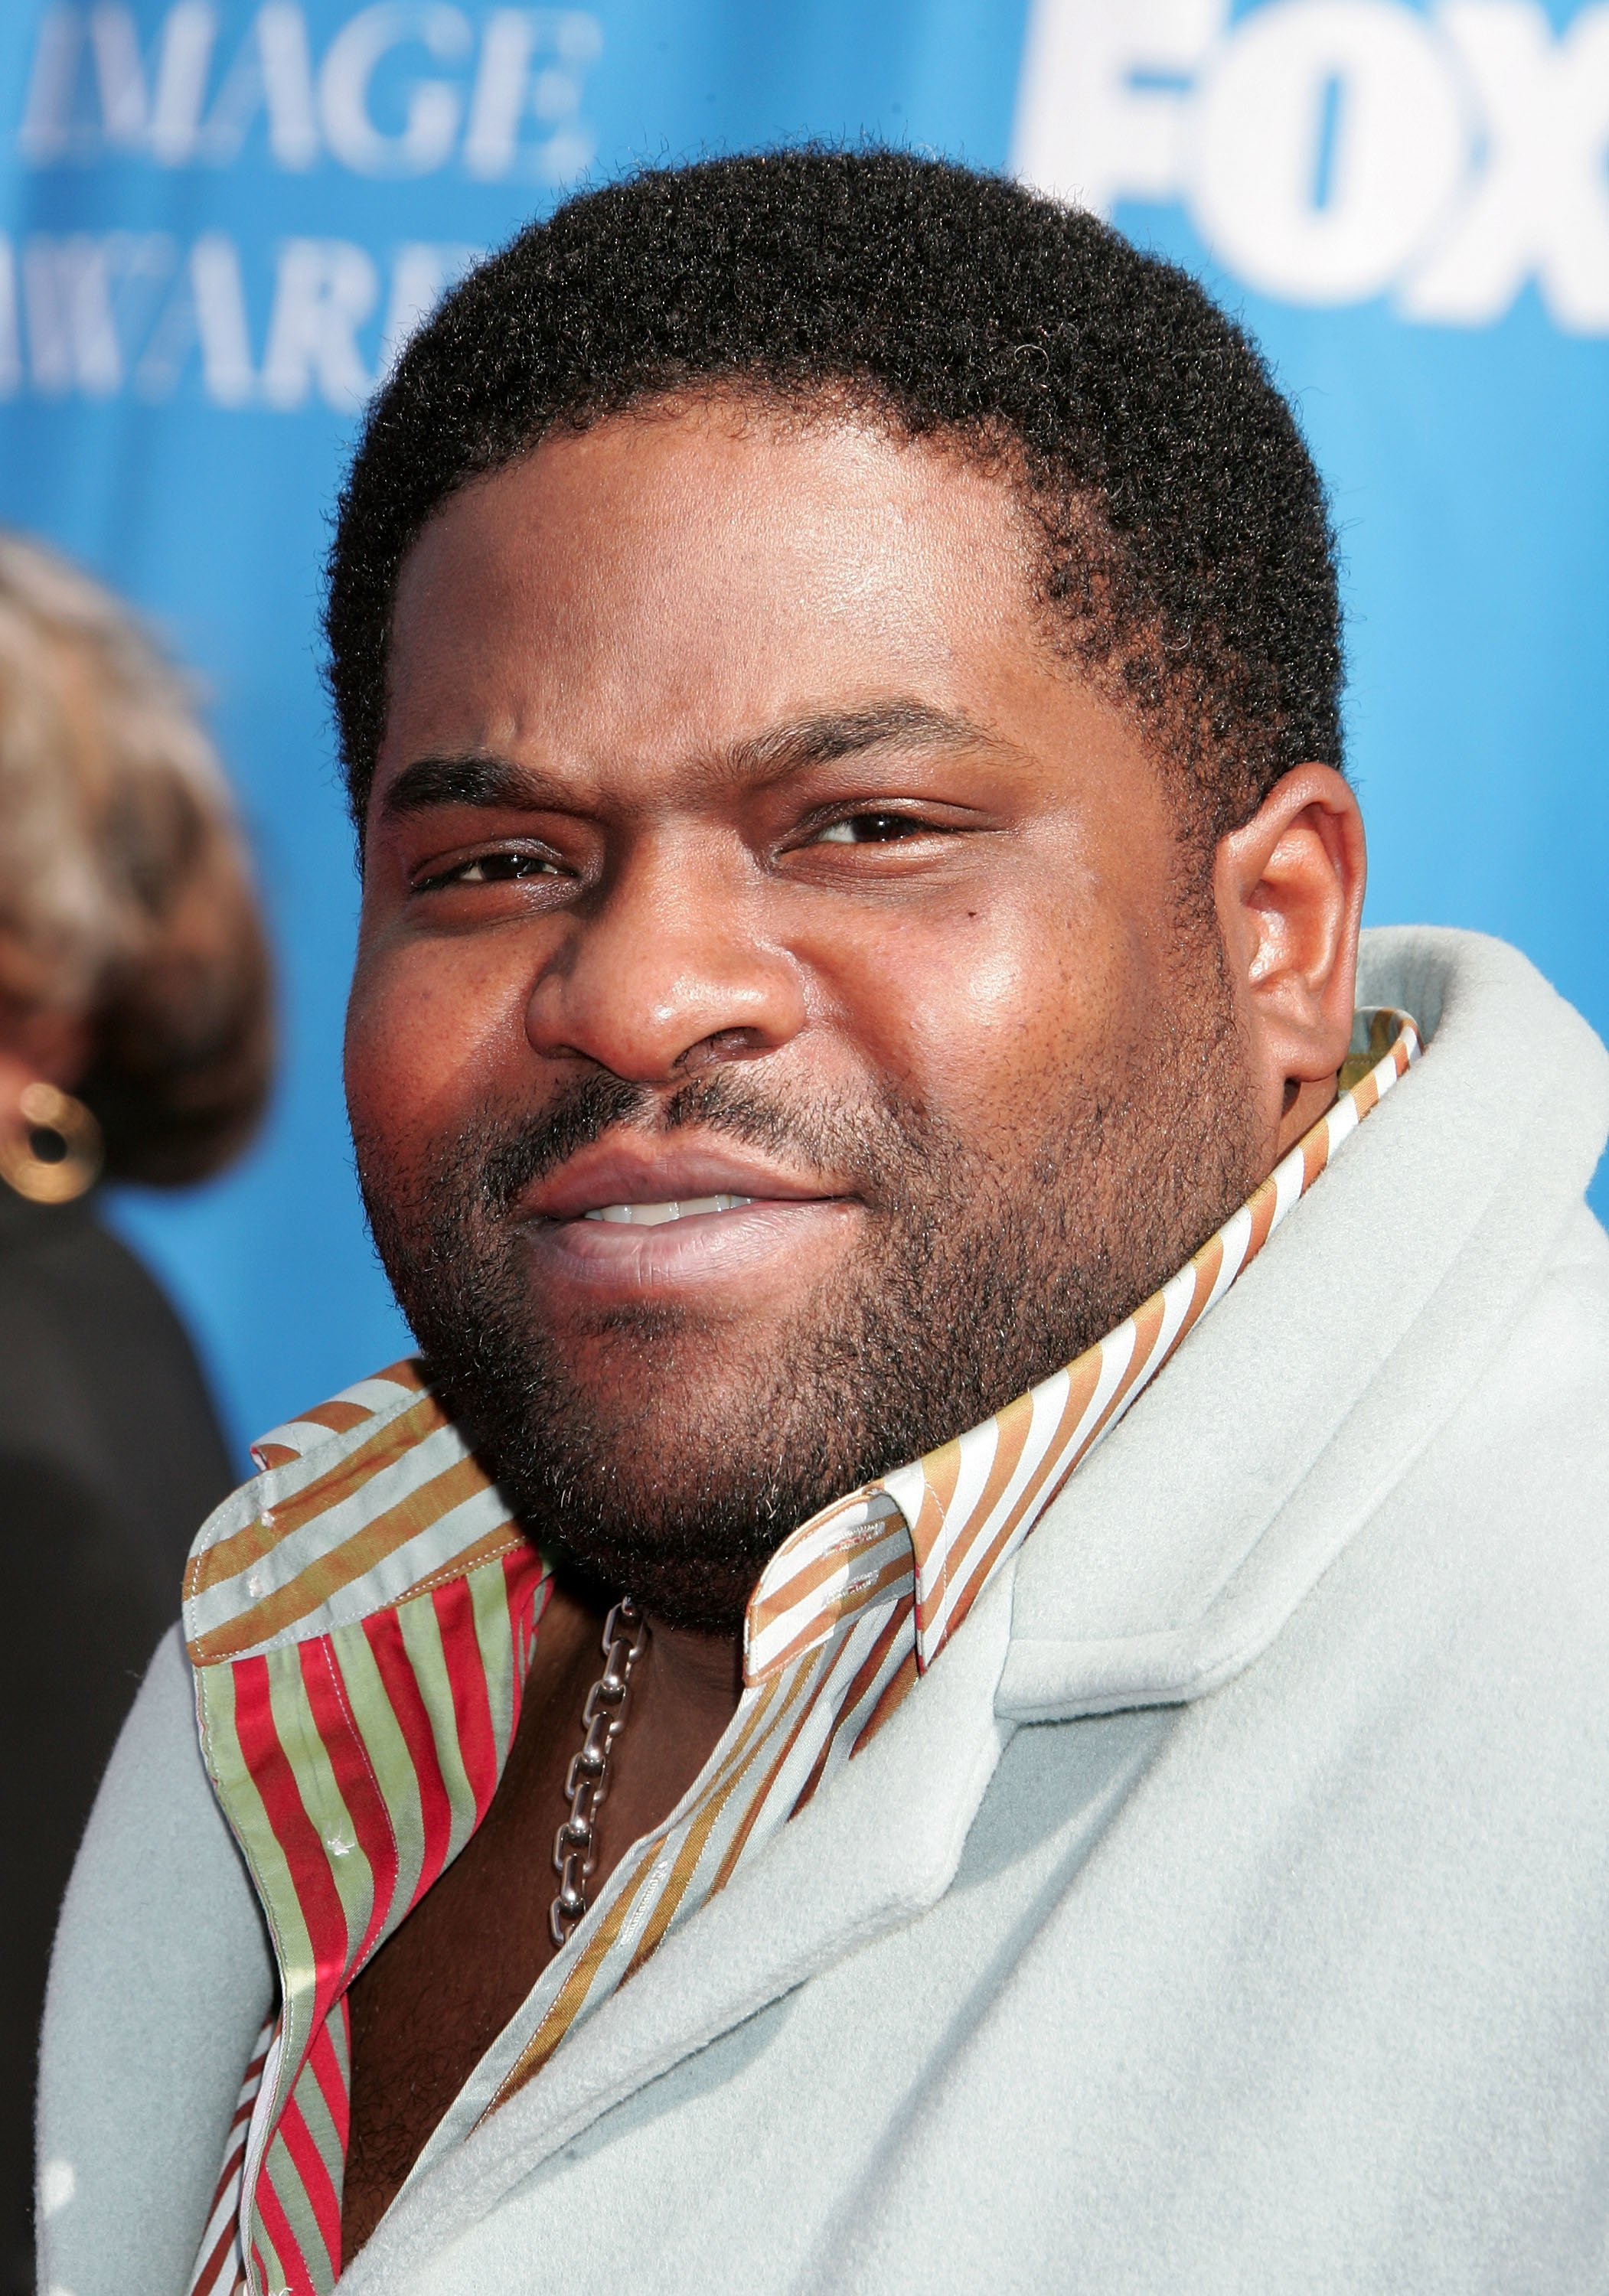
(723, 1044)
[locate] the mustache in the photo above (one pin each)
(867, 1143)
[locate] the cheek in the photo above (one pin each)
(987, 1015)
(1008, 1011)
(428, 1027)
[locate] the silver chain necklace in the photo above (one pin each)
(602, 1717)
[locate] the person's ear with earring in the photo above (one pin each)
(52, 1151)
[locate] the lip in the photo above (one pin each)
(738, 1253)
(625, 1172)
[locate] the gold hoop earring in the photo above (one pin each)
(53, 1152)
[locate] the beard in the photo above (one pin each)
(648, 1447)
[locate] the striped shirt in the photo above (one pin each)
(361, 1619)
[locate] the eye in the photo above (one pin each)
(504, 868)
(870, 829)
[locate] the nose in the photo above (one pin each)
(667, 967)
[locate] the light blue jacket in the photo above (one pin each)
(1228, 1909)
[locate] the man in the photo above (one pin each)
(1082, 1451)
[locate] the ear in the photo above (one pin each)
(1288, 887)
(35, 1047)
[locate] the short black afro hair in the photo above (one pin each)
(1187, 557)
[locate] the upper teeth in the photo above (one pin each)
(656, 1215)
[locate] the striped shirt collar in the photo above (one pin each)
(361, 1619)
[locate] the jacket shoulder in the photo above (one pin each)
(160, 1980)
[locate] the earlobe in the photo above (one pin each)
(1289, 888)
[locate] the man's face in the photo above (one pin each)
(781, 1031)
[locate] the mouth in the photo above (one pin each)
(639, 1218)
(661, 1215)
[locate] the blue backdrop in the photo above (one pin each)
(217, 218)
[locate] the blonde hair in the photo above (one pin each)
(126, 896)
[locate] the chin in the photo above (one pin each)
(674, 1365)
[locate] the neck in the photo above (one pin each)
(700, 1675)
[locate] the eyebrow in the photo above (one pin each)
(822, 739)
(471, 779)
(492, 783)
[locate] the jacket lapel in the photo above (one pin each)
(872, 1850)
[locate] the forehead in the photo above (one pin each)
(675, 578)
